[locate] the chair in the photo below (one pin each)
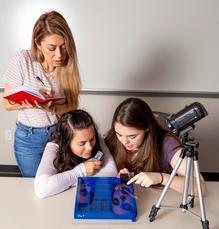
(161, 117)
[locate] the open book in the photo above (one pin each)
(22, 93)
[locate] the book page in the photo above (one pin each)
(29, 90)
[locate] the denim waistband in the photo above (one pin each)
(34, 128)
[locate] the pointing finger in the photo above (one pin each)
(133, 179)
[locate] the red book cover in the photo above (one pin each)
(19, 94)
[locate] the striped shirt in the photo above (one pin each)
(23, 70)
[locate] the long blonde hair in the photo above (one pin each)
(68, 75)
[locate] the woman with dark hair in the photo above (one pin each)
(70, 154)
(143, 149)
(51, 67)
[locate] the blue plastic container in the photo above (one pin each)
(104, 198)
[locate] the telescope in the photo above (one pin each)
(185, 118)
(180, 123)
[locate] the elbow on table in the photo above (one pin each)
(40, 193)
(41, 189)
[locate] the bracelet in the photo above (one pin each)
(161, 174)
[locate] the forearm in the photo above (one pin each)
(58, 109)
(178, 184)
(10, 107)
(47, 185)
(5, 103)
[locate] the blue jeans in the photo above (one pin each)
(29, 144)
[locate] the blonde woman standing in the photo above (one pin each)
(51, 67)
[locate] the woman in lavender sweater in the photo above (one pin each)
(143, 149)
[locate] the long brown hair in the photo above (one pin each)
(63, 135)
(134, 112)
(68, 75)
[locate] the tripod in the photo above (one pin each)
(188, 199)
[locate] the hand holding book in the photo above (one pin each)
(46, 92)
(49, 106)
(32, 96)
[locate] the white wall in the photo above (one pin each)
(151, 45)
(102, 107)
(143, 45)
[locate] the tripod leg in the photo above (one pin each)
(191, 196)
(184, 204)
(156, 207)
(205, 223)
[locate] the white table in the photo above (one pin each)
(21, 209)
